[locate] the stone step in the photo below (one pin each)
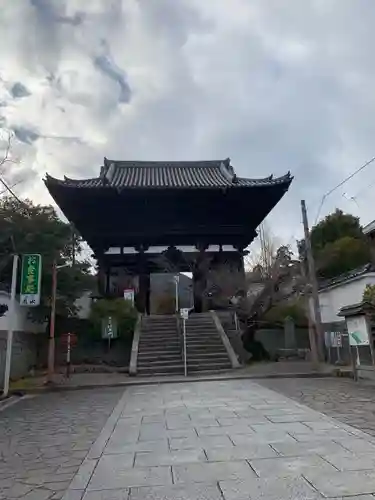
(210, 371)
(161, 362)
(209, 367)
(198, 352)
(171, 328)
(207, 343)
(192, 321)
(170, 369)
(212, 331)
(206, 364)
(172, 324)
(171, 321)
(153, 354)
(200, 325)
(158, 319)
(206, 355)
(200, 331)
(203, 352)
(203, 336)
(158, 346)
(159, 350)
(164, 338)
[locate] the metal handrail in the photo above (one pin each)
(184, 337)
(181, 338)
(181, 330)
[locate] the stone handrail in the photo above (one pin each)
(135, 345)
(228, 346)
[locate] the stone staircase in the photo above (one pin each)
(159, 349)
(204, 346)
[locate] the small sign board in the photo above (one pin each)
(31, 274)
(109, 328)
(336, 340)
(333, 339)
(357, 330)
(184, 313)
(129, 295)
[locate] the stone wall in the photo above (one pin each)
(89, 352)
(24, 354)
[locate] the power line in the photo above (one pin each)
(6, 190)
(341, 184)
(10, 190)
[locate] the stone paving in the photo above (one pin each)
(44, 440)
(232, 440)
(351, 403)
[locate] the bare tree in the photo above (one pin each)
(263, 252)
(6, 159)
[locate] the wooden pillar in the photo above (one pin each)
(100, 280)
(241, 267)
(107, 281)
(200, 280)
(143, 302)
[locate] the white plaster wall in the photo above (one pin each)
(333, 299)
(21, 321)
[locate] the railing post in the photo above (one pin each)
(184, 333)
(236, 321)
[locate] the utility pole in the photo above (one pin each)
(312, 281)
(11, 314)
(51, 341)
(312, 336)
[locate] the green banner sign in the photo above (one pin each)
(31, 274)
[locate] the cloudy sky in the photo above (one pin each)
(276, 85)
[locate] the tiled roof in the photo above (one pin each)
(343, 278)
(370, 228)
(200, 174)
(356, 309)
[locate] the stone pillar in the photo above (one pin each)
(290, 334)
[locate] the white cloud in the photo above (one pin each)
(276, 86)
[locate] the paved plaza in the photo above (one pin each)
(351, 403)
(44, 440)
(232, 440)
(227, 440)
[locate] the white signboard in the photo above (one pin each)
(109, 328)
(338, 337)
(357, 329)
(184, 313)
(129, 294)
(336, 340)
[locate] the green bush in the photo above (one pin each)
(278, 313)
(369, 294)
(122, 310)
